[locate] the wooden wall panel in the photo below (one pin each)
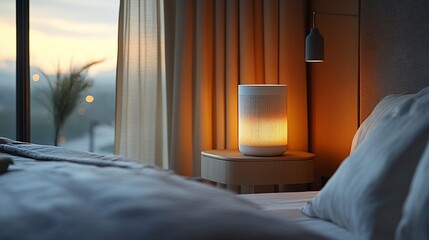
(333, 85)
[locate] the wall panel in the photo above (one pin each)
(334, 85)
(394, 49)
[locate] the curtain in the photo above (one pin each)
(211, 46)
(141, 113)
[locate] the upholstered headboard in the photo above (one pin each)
(394, 49)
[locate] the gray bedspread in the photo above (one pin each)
(56, 193)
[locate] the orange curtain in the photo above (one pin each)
(211, 47)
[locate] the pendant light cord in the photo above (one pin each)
(314, 19)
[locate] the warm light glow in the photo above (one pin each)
(89, 99)
(262, 119)
(62, 139)
(36, 77)
(269, 132)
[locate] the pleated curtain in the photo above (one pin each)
(141, 113)
(212, 46)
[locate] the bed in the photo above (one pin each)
(378, 192)
(56, 193)
(289, 204)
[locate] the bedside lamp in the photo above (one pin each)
(262, 119)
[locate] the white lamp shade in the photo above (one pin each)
(262, 119)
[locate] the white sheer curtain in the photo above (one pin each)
(141, 122)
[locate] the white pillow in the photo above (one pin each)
(385, 106)
(415, 216)
(366, 193)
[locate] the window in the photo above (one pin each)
(7, 69)
(64, 35)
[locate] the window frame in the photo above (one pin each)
(22, 70)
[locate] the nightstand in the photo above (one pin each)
(230, 167)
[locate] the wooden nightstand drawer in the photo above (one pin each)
(233, 168)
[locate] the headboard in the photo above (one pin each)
(394, 49)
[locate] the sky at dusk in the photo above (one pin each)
(63, 32)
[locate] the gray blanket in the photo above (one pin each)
(57, 193)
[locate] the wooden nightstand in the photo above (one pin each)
(230, 167)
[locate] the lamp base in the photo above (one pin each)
(263, 151)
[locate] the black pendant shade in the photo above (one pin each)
(314, 46)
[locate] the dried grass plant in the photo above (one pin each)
(65, 93)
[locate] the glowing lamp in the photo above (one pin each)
(262, 119)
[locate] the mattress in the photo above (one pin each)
(288, 204)
(58, 193)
